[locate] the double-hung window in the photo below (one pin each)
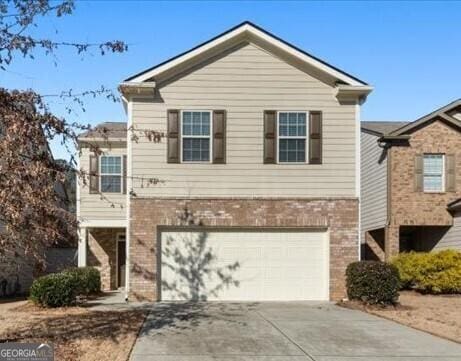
(433, 172)
(111, 174)
(196, 136)
(292, 137)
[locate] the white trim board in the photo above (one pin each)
(247, 32)
(104, 223)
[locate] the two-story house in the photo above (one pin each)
(411, 184)
(236, 176)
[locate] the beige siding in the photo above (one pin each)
(373, 184)
(245, 83)
(451, 239)
(92, 207)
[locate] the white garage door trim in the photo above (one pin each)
(266, 251)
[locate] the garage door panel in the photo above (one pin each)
(244, 266)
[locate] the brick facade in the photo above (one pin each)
(149, 215)
(407, 206)
(102, 253)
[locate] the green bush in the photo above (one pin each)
(433, 272)
(62, 289)
(54, 290)
(88, 279)
(373, 282)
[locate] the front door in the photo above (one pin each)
(121, 244)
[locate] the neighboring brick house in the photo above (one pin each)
(235, 178)
(411, 184)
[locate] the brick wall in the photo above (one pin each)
(102, 254)
(147, 215)
(408, 207)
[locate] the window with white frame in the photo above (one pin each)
(196, 136)
(292, 137)
(433, 170)
(111, 174)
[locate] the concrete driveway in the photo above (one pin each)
(281, 331)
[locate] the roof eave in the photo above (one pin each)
(129, 88)
(393, 138)
(346, 93)
(101, 140)
(247, 30)
(439, 113)
(370, 131)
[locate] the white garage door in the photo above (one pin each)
(244, 266)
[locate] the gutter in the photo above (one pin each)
(386, 141)
(128, 88)
(350, 93)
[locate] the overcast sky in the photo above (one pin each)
(410, 52)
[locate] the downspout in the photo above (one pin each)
(358, 174)
(386, 146)
(129, 187)
(81, 231)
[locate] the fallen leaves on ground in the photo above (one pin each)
(439, 315)
(77, 333)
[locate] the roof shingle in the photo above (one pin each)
(106, 129)
(382, 128)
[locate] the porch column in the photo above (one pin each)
(391, 241)
(82, 246)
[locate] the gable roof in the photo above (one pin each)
(442, 113)
(106, 130)
(249, 32)
(382, 128)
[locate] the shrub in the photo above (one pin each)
(434, 272)
(88, 279)
(373, 282)
(54, 290)
(410, 265)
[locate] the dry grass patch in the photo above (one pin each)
(439, 315)
(77, 333)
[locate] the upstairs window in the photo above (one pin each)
(111, 174)
(292, 137)
(196, 134)
(433, 168)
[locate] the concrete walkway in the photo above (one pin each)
(115, 300)
(281, 332)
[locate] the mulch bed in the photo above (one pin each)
(77, 333)
(439, 315)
